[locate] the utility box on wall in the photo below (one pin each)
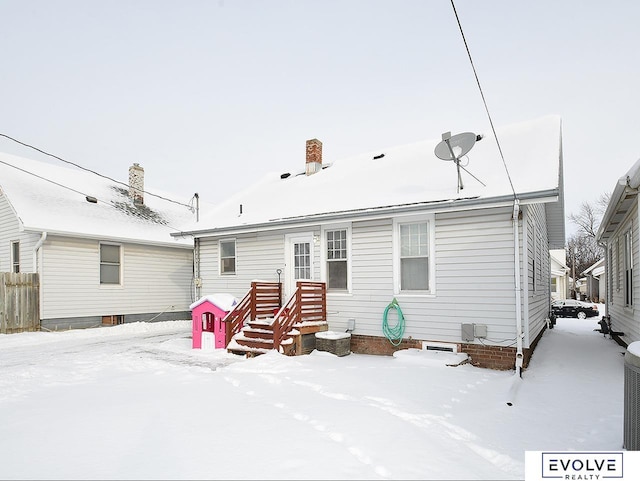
(468, 332)
(473, 331)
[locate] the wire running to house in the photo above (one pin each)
(89, 170)
(483, 99)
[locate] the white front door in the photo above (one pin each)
(299, 261)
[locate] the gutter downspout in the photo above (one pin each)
(36, 248)
(516, 245)
(37, 269)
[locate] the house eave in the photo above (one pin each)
(373, 213)
(118, 239)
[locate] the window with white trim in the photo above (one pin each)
(227, 256)
(628, 268)
(413, 271)
(337, 258)
(15, 256)
(110, 264)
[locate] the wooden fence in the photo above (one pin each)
(19, 302)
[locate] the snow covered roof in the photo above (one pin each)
(53, 199)
(595, 269)
(622, 200)
(403, 178)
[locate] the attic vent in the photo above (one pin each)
(375, 157)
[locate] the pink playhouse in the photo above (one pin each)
(206, 318)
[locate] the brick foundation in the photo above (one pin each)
(380, 345)
(490, 357)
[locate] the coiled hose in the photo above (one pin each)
(395, 333)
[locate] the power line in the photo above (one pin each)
(89, 170)
(483, 99)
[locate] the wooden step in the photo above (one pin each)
(253, 333)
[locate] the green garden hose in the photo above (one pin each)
(394, 334)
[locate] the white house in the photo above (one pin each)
(618, 231)
(594, 280)
(463, 248)
(559, 274)
(103, 251)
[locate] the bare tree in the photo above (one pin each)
(590, 215)
(587, 252)
(583, 244)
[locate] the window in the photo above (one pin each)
(302, 260)
(628, 268)
(337, 259)
(228, 256)
(618, 263)
(609, 271)
(15, 256)
(534, 256)
(414, 266)
(109, 264)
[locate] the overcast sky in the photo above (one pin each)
(209, 95)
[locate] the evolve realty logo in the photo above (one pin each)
(581, 466)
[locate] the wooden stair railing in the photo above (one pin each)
(307, 304)
(258, 322)
(260, 302)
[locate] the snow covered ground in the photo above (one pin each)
(136, 402)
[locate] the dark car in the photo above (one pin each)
(574, 308)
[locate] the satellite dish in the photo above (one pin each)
(453, 147)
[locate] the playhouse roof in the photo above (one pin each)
(399, 178)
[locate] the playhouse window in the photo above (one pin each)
(228, 256)
(109, 264)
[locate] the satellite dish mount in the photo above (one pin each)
(453, 147)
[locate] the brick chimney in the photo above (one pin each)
(314, 157)
(136, 184)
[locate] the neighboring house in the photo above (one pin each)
(619, 233)
(559, 274)
(593, 280)
(103, 251)
(468, 264)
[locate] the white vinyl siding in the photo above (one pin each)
(11, 232)
(474, 269)
(154, 279)
(259, 256)
(471, 273)
(625, 318)
(537, 270)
